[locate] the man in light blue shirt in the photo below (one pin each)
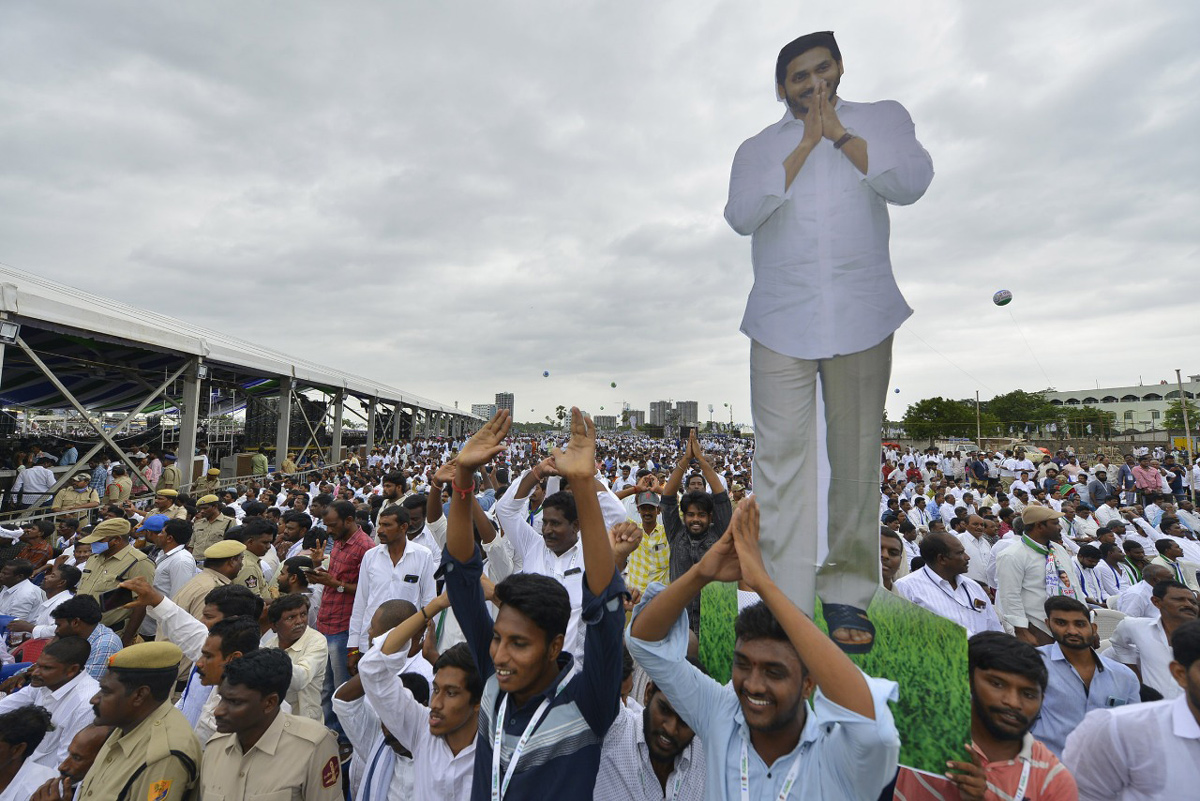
(759, 730)
(1080, 679)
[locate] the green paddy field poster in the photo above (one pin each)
(926, 655)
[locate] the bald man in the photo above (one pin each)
(81, 753)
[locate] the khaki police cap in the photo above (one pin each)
(224, 549)
(206, 499)
(167, 493)
(214, 471)
(113, 527)
(1039, 514)
(147, 656)
(81, 477)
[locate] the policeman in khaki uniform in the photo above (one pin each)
(164, 504)
(114, 560)
(171, 478)
(257, 535)
(222, 561)
(152, 754)
(209, 484)
(121, 488)
(260, 751)
(210, 525)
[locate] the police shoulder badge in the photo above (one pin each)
(158, 791)
(331, 772)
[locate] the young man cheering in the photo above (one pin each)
(442, 736)
(542, 722)
(758, 732)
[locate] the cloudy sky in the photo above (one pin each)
(456, 197)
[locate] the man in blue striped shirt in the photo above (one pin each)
(542, 722)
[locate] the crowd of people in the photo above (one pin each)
(501, 617)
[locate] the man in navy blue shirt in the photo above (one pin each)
(542, 722)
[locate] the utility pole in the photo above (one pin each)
(978, 431)
(1187, 433)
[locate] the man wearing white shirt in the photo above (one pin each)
(1001, 544)
(946, 511)
(20, 597)
(440, 737)
(651, 754)
(1137, 601)
(919, 516)
(22, 731)
(1144, 751)
(1144, 644)
(978, 549)
(1023, 483)
(1115, 575)
(59, 586)
(395, 569)
(942, 586)
(803, 190)
(1108, 511)
(305, 647)
(1030, 570)
(1086, 522)
(1090, 589)
(174, 566)
(556, 550)
(59, 684)
(32, 485)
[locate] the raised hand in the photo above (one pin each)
(545, 468)
(143, 591)
(744, 526)
(578, 460)
(625, 537)
(445, 474)
(633, 599)
(486, 443)
(720, 562)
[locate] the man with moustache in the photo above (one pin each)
(812, 191)
(1004, 760)
(260, 751)
(1080, 679)
(152, 752)
(646, 753)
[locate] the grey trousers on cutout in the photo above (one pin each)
(784, 403)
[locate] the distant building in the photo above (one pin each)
(504, 400)
(605, 422)
(485, 410)
(689, 413)
(658, 412)
(637, 418)
(1138, 408)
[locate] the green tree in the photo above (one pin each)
(1080, 417)
(1020, 406)
(1174, 417)
(939, 417)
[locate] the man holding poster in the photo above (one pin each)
(812, 192)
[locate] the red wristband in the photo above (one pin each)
(462, 493)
